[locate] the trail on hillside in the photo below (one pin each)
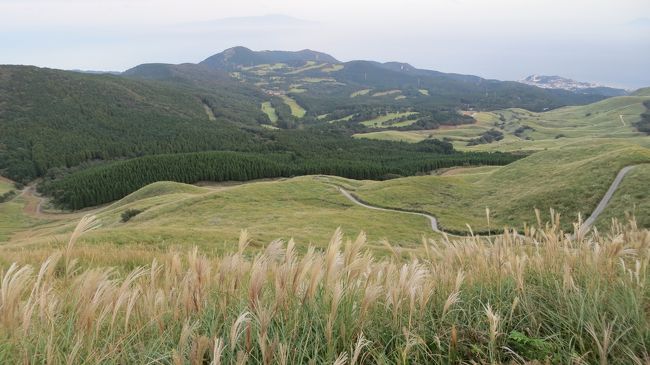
(34, 206)
(605, 200)
(432, 219)
(588, 223)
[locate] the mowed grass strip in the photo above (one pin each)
(269, 110)
(380, 121)
(360, 93)
(296, 110)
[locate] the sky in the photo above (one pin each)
(607, 42)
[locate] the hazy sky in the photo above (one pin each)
(589, 40)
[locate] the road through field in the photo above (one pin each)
(434, 222)
(432, 219)
(605, 200)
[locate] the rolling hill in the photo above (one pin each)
(522, 130)
(53, 123)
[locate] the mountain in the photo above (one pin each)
(53, 119)
(237, 57)
(563, 83)
(60, 119)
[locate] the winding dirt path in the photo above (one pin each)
(605, 200)
(34, 207)
(432, 219)
(588, 223)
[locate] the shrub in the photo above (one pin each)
(130, 213)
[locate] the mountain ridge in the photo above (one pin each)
(563, 83)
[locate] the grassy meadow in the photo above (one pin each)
(5, 186)
(571, 180)
(173, 214)
(580, 300)
(631, 199)
(524, 130)
(381, 121)
(296, 109)
(269, 110)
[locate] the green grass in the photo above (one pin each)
(632, 197)
(411, 137)
(570, 179)
(314, 80)
(360, 93)
(13, 219)
(296, 110)
(386, 93)
(310, 65)
(550, 129)
(380, 121)
(5, 186)
(269, 110)
(333, 68)
(303, 208)
(461, 301)
(344, 119)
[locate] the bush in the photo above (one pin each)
(130, 213)
(7, 196)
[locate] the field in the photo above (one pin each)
(574, 177)
(305, 208)
(296, 110)
(5, 186)
(445, 257)
(529, 131)
(268, 109)
(360, 93)
(632, 198)
(380, 122)
(562, 301)
(387, 93)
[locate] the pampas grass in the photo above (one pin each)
(546, 296)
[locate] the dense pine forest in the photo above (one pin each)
(350, 158)
(51, 118)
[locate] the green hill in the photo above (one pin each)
(570, 179)
(58, 119)
(618, 117)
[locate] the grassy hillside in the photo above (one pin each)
(462, 301)
(632, 198)
(524, 130)
(304, 208)
(570, 179)
(5, 185)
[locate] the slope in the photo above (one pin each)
(615, 117)
(569, 179)
(51, 119)
(304, 208)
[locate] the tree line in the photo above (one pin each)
(105, 183)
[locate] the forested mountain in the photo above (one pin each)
(237, 57)
(52, 119)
